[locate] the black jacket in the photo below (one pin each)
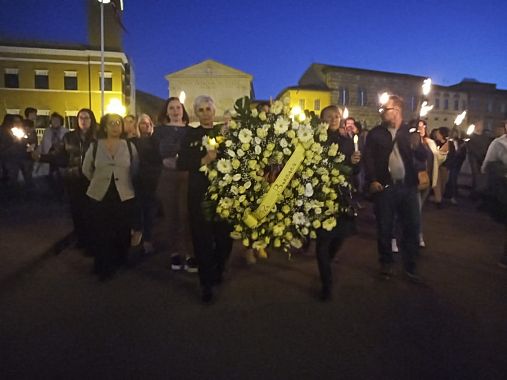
(69, 153)
(378, 148)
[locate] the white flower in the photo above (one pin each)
(247, 184)
(277, 107)
(299, 202)
(308, 190)
(236, 177)
(305, 133)
(224, 166)
(231, 153)
(262, 116)
(257, 150)
(287, 151)
(228, 143)
(281, 126)
(245, 136)
(255, 112)
(257, 140)
(240, 152)
(284, 143)
(286, 101)
(298, 218)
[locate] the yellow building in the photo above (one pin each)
(61, 79)
(309, 98)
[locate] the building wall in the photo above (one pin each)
(86, 65)
(311, 100)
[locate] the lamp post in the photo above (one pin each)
(102, 2)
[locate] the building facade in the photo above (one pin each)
(61, 80)
(65, 78)
(359, 90)
(223, 83)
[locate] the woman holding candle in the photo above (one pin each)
(173, 183)
(70, 156)
(330, 242)
(442, 141)
(210, 237)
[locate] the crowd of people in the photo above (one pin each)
(121, 173)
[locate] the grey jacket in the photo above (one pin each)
(121, 167)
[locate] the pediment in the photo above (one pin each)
(209, 69)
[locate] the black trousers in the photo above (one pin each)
(111, 220)
(79, 207)
(212, 245)
(328, 244)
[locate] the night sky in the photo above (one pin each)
(277, 40)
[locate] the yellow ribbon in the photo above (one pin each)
(253, 219)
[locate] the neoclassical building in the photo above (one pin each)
(223, 83)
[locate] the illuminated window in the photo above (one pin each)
(41, 79)
(446, 104)
(316, 105)
(302, 104)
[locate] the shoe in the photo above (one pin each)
(250, 257)
(394, 246)
(176, 262)
(148, 247)
(454, 201)
(207, 295)
(191, 265)
(413, 277)
(386, 270)
(325, 294)
(422, 244)
(135, 237)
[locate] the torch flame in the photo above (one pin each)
(425, 108)
(426, 87)
(345, 113)
(471, 129)
(460, 118)
(19, 133)
(356, 139)
(383, 99)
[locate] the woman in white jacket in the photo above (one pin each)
(110, 165)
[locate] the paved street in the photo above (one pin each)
(58, 321)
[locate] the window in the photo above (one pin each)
(446, 104)
(11, 78)
(302, 104)
(437, 103)
(361, 97)
(71, 119)
(490, 106)
(456, 104)
(41, 79)
(503, 108)
(70, 80)
(344, 96)
(463, 105)
(108, 81)
(413, 103)
(316, 105)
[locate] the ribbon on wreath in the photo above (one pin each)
(252, 219)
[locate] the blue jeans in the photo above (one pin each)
(401, 202)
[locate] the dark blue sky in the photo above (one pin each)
(277, 40)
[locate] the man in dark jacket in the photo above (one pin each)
(390, 152)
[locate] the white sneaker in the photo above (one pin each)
(422, 244)
(394, 246)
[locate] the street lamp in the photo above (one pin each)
(102, 2)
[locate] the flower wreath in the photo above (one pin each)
(276, 181)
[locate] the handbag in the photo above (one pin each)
(424, 180)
